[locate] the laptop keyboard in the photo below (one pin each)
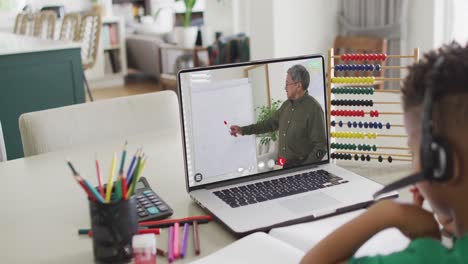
(277, 188)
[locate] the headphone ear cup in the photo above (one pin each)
(442, 160)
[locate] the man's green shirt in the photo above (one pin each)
(301, 127)
(427, 251)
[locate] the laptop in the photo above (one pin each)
(256, 145)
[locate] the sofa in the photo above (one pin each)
(143, 53)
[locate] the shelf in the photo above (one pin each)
(111, 61)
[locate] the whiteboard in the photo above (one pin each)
(216, 152)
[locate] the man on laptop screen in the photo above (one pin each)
(299, 121)
(257, 156)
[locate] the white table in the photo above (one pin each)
(14, 44)
(43, 207)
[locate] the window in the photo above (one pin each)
(456, 22)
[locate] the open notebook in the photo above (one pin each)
(289, 244)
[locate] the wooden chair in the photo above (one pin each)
(18, 23)
(88, 35)
(70, 27)
(27, 24)
(44, 26)
(360, 44)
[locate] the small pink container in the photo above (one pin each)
(144, 249)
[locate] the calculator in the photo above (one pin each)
(149, 205)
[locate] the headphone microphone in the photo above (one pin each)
(436, 153)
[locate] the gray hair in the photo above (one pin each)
(300, 74)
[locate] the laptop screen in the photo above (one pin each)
(245, 119)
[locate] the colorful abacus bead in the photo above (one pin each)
(390, 159)
(378, 67)
(363, 158)
(333, 123)
(349, 124)
(360, 124)
(381, 56)
(388, 126)
(368, 158)
(380, 158)
(374, 113)
(356, 157)
(340, 123)
(374, 147)
(354, 124)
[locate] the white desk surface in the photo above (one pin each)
(16, 44)
(42, 207)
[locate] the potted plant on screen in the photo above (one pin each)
(186, 35)
(268, 140)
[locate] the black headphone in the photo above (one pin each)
(436, 152)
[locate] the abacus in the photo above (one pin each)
(365, 124)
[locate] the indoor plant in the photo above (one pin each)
(266, 112)
(187, 35)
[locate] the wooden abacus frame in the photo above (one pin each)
(331, 72)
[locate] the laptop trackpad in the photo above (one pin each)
(309, 202)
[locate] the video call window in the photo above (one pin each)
(245, 120)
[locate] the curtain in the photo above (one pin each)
(455, 22)
(377, 18)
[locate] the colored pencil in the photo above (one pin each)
(118, 185)
(143, 163)
(145, 225)
(88, 192)
(122, 160)
(196, 238)
(110, 182)
(176, 247)
(170, 252)
(132, 167)
(183, 251)
(99, 178)
(85, 231)
(91, 192)
(131, 188)
(155, 231)
(123, 184)
(201, 219)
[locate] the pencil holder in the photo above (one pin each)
(113, 226)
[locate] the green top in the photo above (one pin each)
(424, 250)
(301, 128)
